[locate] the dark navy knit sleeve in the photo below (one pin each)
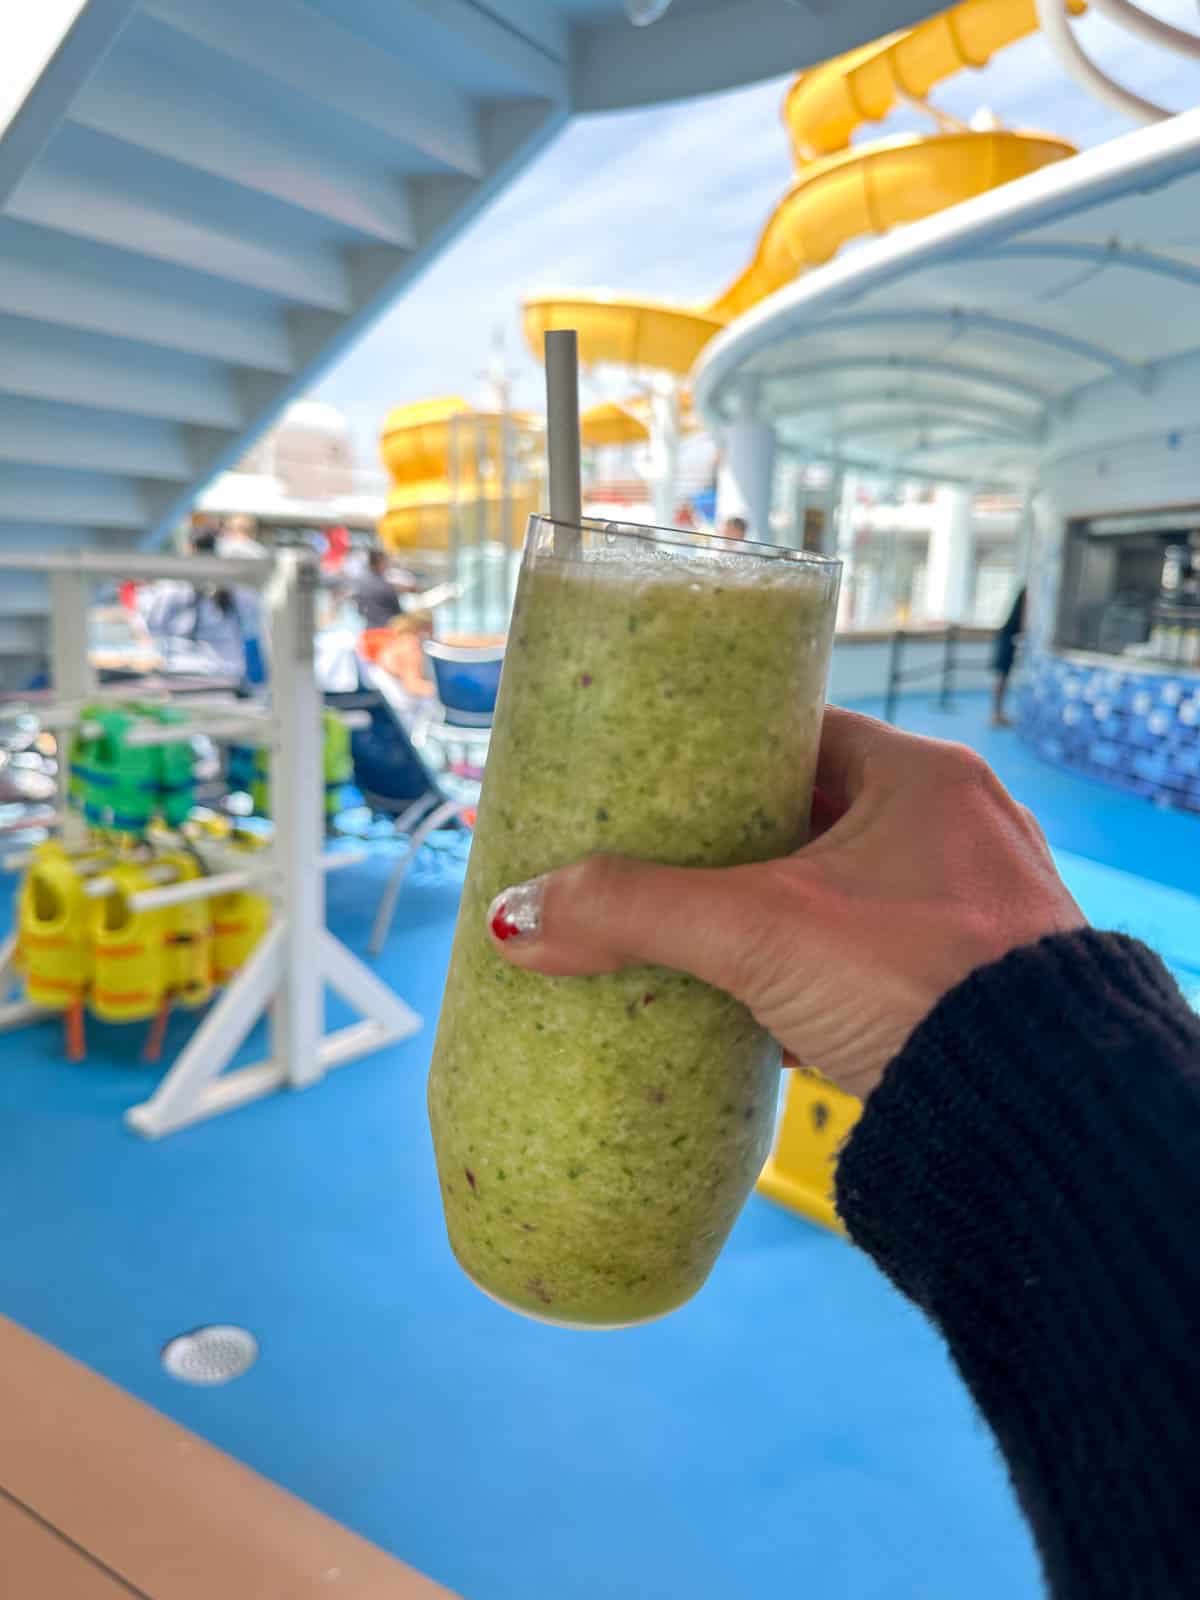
(1028, 1172)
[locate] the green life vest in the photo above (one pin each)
(176, 776)
(81, 755)
(121, 788)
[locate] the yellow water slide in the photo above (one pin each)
(439, 454)
(612, 424)
(444, 459)
(841, 192)
(443, 454)
(622, 332)
(874, 188)
(827, 105)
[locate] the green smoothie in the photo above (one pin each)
(597, 1137)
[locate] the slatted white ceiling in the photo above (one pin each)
(201, 204)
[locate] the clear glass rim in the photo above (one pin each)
(690, 539)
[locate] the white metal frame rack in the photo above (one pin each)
(287, 973)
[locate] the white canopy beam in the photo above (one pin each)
(959, 320)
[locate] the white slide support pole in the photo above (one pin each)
(665, 439)
(1060, 36)
(1152, 29)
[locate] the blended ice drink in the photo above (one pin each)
(661, 698)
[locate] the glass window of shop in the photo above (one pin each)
(1131, 587)
(915, 558)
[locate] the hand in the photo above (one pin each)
(921, 869)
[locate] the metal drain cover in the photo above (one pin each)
(217, 1353)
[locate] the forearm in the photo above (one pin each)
(1029, 1173)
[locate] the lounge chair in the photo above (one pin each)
(395, 779)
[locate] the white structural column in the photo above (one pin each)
(746, 478)
(664, 447)
(951, 556)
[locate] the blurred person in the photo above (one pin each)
(377, 595)
(400, 652)
(355, 563)
(1004, 655)
(1027, 1165)
(337, 548)
(239, 540)
(735, 528)
(208, 615)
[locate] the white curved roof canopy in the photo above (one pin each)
(1038, 321)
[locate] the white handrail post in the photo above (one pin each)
(298, 806)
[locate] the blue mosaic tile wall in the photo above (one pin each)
(1138, 730)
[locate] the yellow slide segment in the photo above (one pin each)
(826, 105)
(426, 445)
(417, 440)
(877, 187)
(625, 333)
(420, 516)
(611, 424)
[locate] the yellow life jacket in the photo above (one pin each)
(129, 951)
(188, 935)
(52, 931)
(239, 921)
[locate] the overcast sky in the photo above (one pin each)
(668, 203)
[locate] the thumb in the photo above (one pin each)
(726, 926)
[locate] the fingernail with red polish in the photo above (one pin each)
(517, 913)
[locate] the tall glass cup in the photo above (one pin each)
(661, 698)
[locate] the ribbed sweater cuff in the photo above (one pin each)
(1028, 1172)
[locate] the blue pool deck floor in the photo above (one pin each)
(797, 1429)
